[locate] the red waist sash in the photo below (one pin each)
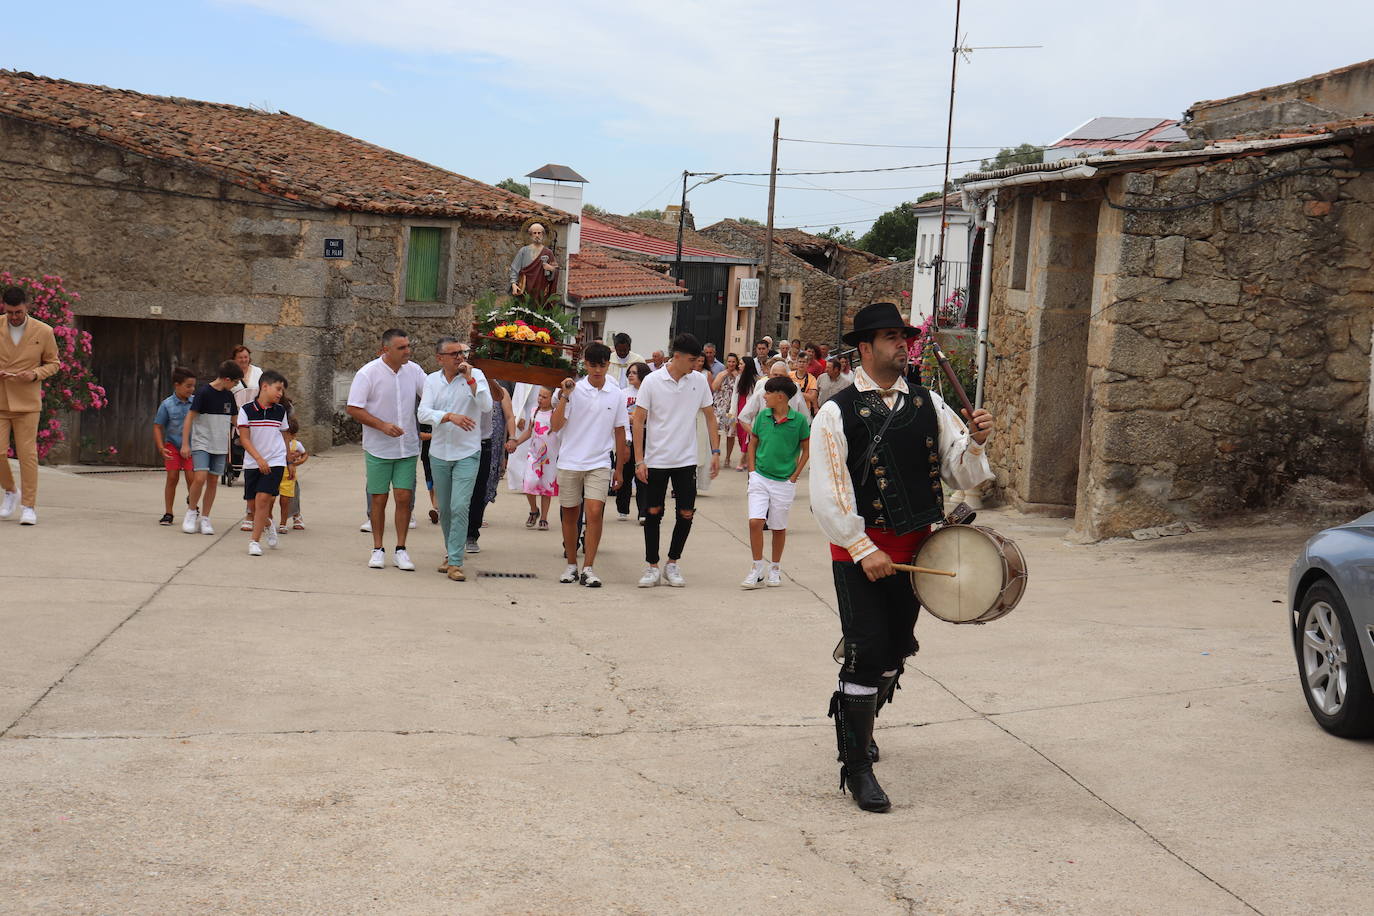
(900, 547)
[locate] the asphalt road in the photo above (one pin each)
(187, 729)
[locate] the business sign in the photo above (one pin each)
(333, 248)
(748, 294)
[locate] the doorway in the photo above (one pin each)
(133, 358)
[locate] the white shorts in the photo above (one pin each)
(770, 499)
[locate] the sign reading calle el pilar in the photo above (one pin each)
(333, 248)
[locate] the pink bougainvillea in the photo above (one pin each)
(74, 387)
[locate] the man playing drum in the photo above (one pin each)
(880, 449)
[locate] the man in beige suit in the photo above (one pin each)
(28, 354)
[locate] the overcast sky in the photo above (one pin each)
(631, 94)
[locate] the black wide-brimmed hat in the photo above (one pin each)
(878, 317)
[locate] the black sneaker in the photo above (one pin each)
(166, 519)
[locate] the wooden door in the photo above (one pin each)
(133, 359)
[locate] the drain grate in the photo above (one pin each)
(506, 575)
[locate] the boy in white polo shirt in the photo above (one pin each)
(666, 411)
(590, 422)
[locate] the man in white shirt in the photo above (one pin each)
(590, 422)
(622, 358)
(382, 398)
(753, 406)
(666, 411)
(657, 360)
(453, 401)
(875, 494)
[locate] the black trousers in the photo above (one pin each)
(629, 483)
(684, 481)
(878, 620)
(477, 507)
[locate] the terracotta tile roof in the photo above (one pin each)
(1122, 134)
(651, 237)
(274, 153)
(797, 241)
(1283, 89)
(594, 273)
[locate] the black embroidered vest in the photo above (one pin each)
(897, 483)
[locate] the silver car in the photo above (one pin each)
(1331, 598)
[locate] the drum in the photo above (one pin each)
(990, 574)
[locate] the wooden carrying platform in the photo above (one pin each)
(513, 370)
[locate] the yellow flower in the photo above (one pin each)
(548, 350)
(543, 336)
(499, 331)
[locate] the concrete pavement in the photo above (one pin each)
(187, 729)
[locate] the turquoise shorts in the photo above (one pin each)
(387, 474)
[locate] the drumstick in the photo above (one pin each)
(921, 569)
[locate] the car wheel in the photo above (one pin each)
(1331, 665)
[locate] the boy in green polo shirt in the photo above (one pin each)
(778, 451)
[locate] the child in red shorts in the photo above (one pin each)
(167, 430)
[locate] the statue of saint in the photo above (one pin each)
(534, 272)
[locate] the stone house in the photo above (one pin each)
(616, 292)
(712, 275)
(189, 227)
(811, 277)
(1184, 333)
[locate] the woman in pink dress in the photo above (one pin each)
(541, 468)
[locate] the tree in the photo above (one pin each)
(594, 210)
(747, 221)
(846, 237)
(515, 187)
(929, 195)
(648, 214)
(893, 234)
(1025, 154)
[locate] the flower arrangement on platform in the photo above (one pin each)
(519, 330)
(960, 350)
(74, 387)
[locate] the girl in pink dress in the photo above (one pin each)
(541, 468)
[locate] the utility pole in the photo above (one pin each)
(768, 300)
(681, 218)
(940, 270)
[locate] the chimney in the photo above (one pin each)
(559, 187)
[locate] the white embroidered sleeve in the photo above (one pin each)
(832, 490)
(963, 462)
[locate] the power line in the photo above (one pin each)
(884, 145)
(797, 187)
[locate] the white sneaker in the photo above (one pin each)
(650, 577)
(402, 560)
(412, 522)
(378, 560)
(624, 516)
(7, 506)
(254, 549)
(590, 579)
(755, 577)
(28, 516)
(569, 575)
(205, 526)
(673, 576)
(188, 524)
(271, 536)
(366, 527)
(774, 576)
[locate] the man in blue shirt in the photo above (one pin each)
(167, 429)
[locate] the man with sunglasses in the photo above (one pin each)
(454, 399)
(382, 398)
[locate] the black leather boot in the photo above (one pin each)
(854, 731)
(885, 693)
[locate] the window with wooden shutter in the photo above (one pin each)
(423, 260)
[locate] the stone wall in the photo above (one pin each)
(141, 239)
(1227, 353)
(884, 284)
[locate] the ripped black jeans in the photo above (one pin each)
(684, 481)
